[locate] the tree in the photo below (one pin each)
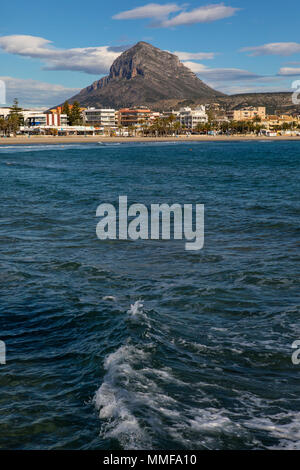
(3, 126)
(66, 109)
(176, 127)
(75, 118)
(15, 118)
(210, 115)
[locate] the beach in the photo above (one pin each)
(93, 139)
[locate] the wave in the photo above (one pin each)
(140, 401)
(136, 406)
(44, 147)
(136, 308)
(116, 401)
(283, 427)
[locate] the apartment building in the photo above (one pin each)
(167, 114)
(247, 114)
(190, 118)
(100, 117)
(274, 121)
(38, 119)
(133, 116)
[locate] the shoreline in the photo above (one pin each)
(95, 139)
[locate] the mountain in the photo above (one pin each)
(146, 75)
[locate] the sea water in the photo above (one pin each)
(142, 345)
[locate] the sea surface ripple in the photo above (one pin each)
(143, 345)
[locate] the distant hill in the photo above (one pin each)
(275, 102)
(146, 75)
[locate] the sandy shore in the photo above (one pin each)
(90, 139)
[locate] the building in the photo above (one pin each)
(273, 121)
(35, 119)
(154, 115)
(133, 116)
(167, 114)
(4, 112)
(247, 114)
(190, 118)
(57, 119)
(100, 117)
(38, 119)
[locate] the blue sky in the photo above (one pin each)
(50, 50)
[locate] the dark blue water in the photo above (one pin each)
(143, 345)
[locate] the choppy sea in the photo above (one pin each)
(143, 345)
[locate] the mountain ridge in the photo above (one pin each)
(144, 75)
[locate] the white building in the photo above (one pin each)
(34, 119)
(38, 119)
(100, 117)
(4, 112)
(191, 117)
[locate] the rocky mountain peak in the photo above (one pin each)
(145, 74)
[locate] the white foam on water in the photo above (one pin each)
(134, 404)
(136, 308)
(201, 428)
(42, 147)
(283, 426)
(115, 400)
(137, 405)
(111, 298)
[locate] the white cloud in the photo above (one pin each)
(276, 48)
(252, 88)
(195, 55)
(205, 14)
(92, 60)
(151, 10)
(163, 14)
(33, 93)
(220, 74)
(233, 80)
(195, 67)
(289, 72)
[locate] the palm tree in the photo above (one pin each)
(176, 127)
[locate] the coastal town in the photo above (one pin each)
(209, 119)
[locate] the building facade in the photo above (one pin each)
(100, 117)
(247, 114)
(4, 112)
(133, 116)
(36, 119)
(190, 118)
